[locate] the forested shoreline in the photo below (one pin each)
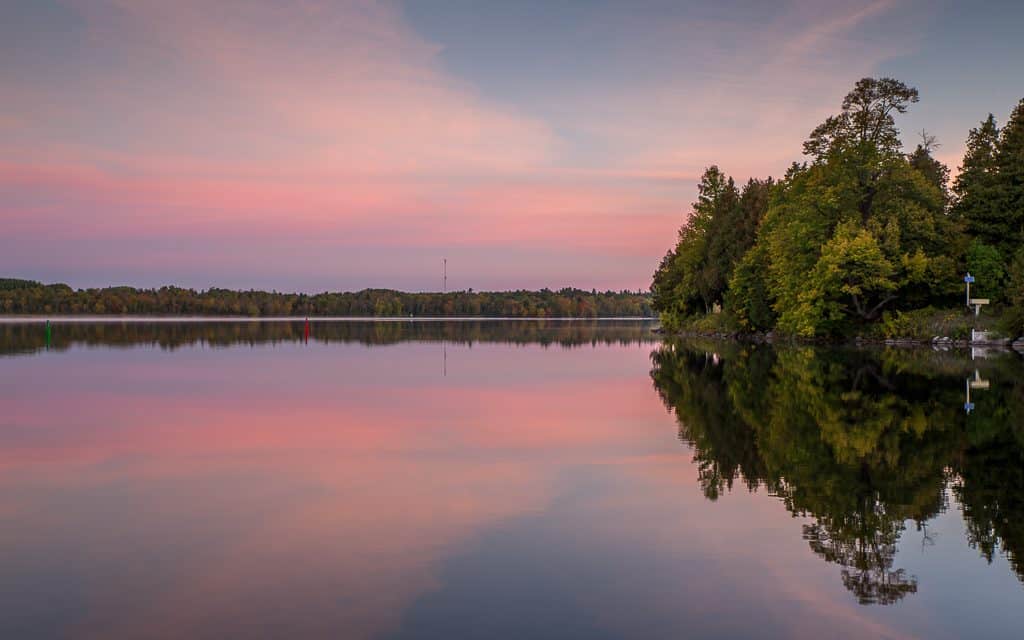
(860, 238)
(28, 297)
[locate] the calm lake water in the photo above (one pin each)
(501, 480)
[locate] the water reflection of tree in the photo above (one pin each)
(867, 559)
(861, 442)
(691, 384)
(990, 487)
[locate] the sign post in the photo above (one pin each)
(968, 279)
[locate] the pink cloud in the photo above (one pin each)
(336, 126)
(614, 217)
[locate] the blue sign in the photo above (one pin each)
(968, 407)
(968, 278)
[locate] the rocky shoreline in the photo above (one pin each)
(979, 340)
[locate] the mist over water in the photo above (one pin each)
(501, 479)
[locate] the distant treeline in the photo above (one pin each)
(30, 297)
(859, 235)
(29, 337)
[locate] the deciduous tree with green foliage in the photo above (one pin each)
(988, 267)
(852, 272)
(860, 229)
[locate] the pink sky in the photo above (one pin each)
(342, 145)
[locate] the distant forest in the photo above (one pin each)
(31, 297)
(859, 236)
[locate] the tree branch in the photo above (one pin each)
(878, 307)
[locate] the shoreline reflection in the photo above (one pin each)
(30, 337)
(866, 443)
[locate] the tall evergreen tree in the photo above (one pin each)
(726, 243)
(680, 287)
(694, 277)
(1010, 165)
(975, 189)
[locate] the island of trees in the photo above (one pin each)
(860, 238)
(31, 297)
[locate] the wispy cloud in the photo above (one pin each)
(332, 126)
